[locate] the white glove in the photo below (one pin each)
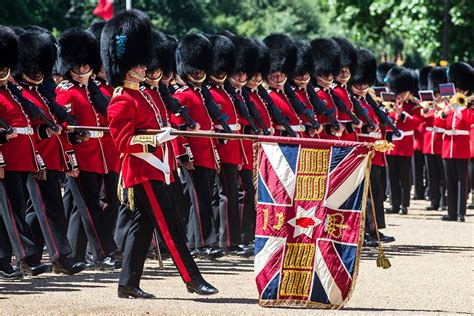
(165, 135)
(395, 137)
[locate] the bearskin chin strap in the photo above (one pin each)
(5, 78)
(136, 75)
(33, 82)
(85, 75)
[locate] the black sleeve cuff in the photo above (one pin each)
(389, 136)
(327, 129)
(365, 129)
(349, 127)
(3, 137)
(42, 131)
(73, 138)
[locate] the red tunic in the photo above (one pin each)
(18, 153)
(406, 122)
(456, 138)
(302, 95)
(326, 98)
(112, 155)
(343, 94)
(433, 137)
(52, 150)
(75, 98)
(203, 149)
(281, 102)
(231, 151)
(128, 111)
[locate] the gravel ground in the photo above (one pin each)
(432, 272)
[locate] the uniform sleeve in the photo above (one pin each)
(122, 113)
(180, 144)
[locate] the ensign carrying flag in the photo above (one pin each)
(104, 9)
(310, 219)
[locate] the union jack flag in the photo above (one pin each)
(309, 222)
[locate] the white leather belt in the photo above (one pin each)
(454, 132)
(96, 134)
(435, 129)
(295, 128)
(233, 127)
(24, 130)
(408, 133)
(376, 135)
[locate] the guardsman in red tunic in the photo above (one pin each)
(299, 82)
(109, 200)
(126, 49)
(283, 57)
(246, 53)
(78, 57)
(348, 66)
(197, 155)
(433, 139)
(22, 162)
(456, 151)
(36, 60)
(406, 116)
(327, 64)
(231, 152)
(362, 78)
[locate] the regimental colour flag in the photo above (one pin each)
(310, 221)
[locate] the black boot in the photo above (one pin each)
(201, 287)
(133, 292)
(8, 273)
(68, 266)
(33, 269)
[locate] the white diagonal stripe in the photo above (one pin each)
(281, 167)
(271, 246)
(333, 292)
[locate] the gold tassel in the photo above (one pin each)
(382, 260)
(130, 195)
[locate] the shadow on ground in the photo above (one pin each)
(412, 250)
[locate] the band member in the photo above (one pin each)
(346, 115)
(21, 158)
(382, 70)
(406, 116)
(362, 79)
(283, 58)
(78, 57)
(126, 49)
(457, 121)
(36, 59)
(197, 156)
(433, 139)
(327, 65)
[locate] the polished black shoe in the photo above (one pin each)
(89, 265)
(107, 263)
(33, 269)
(194, 252)
(461, 218)
(133, 292)
(239, 251)
(448, 218)
(403, 210)
(68, 266)
(370, 241)
(8, 273)
(386, 239)
(431, 208)
(210, 253)
(201, 287)
(391, 211)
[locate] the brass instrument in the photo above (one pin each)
(459, 99)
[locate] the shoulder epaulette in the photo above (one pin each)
(182, 89)
(142, 88)
(97, 82)
(117, 91)
(65, 85)
(316, 89)
(333, 85)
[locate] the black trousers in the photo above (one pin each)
(48, 217)
(153, 209)
(456, 184)
(436, 179)
(227, 182)
(7, 232)
(201, 225)
(109, 201)
(378, 194)
(181, 200)
(124, 219)
(248, 215)
(418, 175)
(87, 218)
(18, 229)
(399, 170)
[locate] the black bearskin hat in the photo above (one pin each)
(77, 47)
(263, 66)
(96, 29)
(125, 43)
(462, 75)
(8, 47)
(283, 53)
(327, 57)
(37, 52)
(169, 63)
(162, 52)
(194, 52)
(223, 54)
(246, 55)
(400, 79)
(423, 77)
(366, 70)
(348, 53)
(436, 76)
(382, 70)
(305, 61)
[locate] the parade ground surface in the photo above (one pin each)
(432, 273)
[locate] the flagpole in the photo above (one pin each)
(128, 4)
